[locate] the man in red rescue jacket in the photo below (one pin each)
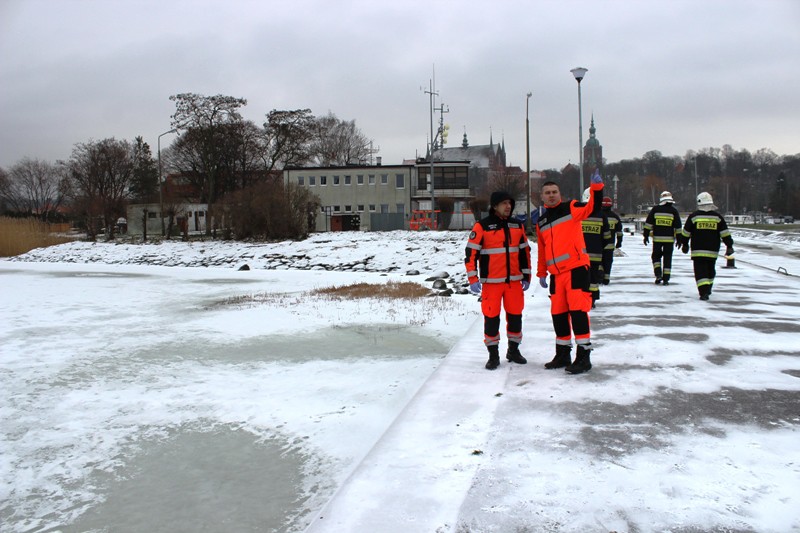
(562, 254)
(498, 262)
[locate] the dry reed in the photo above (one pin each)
(390, 289)
(20, 235)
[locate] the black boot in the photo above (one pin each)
(513, 354)
(582, 362)
(494, 358)
(562, 358)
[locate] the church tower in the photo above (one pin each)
(592, 153)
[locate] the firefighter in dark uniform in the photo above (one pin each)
(664, 222)
(615, 227)
(562, 255)
(596, 235)
(704, 229)
(498, 262)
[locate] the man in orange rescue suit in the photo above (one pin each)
(498, 261)
(562, 254)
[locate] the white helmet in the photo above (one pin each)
(586, 195)
(666, 197)
(705, 202)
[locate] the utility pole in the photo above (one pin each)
(432, 93)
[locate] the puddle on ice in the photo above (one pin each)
(224, 480)
(325, 344)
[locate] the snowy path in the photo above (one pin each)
(687, 422)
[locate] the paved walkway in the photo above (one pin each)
(689, 420)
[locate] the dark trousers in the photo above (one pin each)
(705, 270)
(662, 259)
(595, 279)
(608, 260)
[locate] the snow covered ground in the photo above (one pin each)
(139, 393)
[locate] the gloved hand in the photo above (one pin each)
(475, 287)
(646, 240)
(678, 243)
(619, 243)
(525, 285)
(685, 248)
(543, 282)
(596, 178)
(729, 251)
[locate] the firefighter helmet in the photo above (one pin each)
(666, 198)
(704, 200)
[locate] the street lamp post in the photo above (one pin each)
(579, 73)
(528, 160)
(696, 192)
(161, 184)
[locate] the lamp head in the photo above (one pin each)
(579, 73)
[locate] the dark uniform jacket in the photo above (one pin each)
(665, 223)
(615, 227)
(596, 231)
(706, 229)
(498, 251)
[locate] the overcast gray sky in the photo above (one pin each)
(671, 75)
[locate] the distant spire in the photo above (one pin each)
(465, 142)
(592, 129)
(491, 143)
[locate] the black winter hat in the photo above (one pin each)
(499, 196)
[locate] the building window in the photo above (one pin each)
(151, 214)
(372, 179)
(372, 207)
(360, 179)
(301, 180)
(348, 209)
(384, 179)
(401, 208)
(312, 181)
(384, 208)
(323, 180)
(400, 181)
(336, 180)
(336, 209)
(347, 180)
(360, 208)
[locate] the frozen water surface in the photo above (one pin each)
(175, 399)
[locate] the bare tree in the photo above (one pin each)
(286, 138)
(509, 179)
(100, 174)
(34, 187)
(338, 142)
(206, 121)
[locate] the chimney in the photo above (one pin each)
(378, 159)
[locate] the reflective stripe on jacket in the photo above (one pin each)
(498, 251)
(559, 236)
(705, 230)
(665, 223)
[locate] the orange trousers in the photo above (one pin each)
(502, 296)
